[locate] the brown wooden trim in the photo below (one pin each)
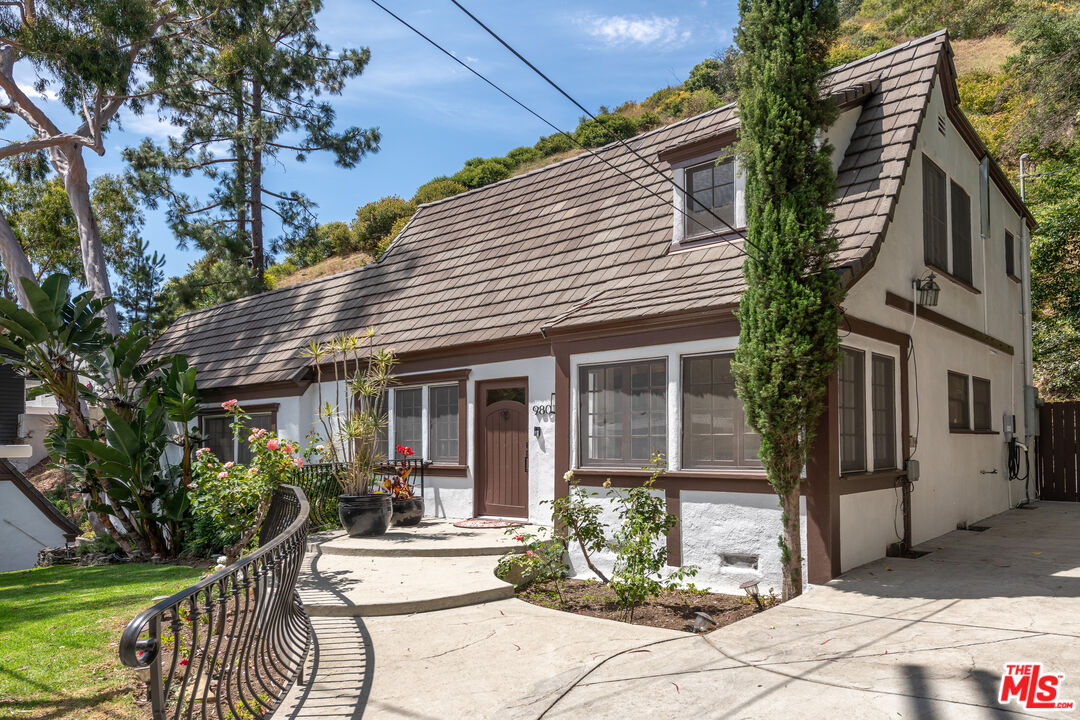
(9, 472)
(463, 426)
(674, 536)
(822, 493)
(445, 377)
(257, 391)
(562, 412)
(715, 325)
(964, 284)
(676, 479)
(852, 483)
(967, 431)
(895, 301)
(447, 470)
(697, 148)
(1014, 278)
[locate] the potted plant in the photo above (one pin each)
(408, 509)
(350, 426)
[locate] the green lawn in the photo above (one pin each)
(59, 629)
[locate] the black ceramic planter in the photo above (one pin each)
(365, 515)
(408, 511)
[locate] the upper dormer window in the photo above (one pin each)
(710, 199)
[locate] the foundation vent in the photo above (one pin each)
(739, 561)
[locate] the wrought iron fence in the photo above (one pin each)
(319, 482)
(231, 645)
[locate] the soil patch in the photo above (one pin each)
(673, 610)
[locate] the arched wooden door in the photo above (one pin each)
(502, 448)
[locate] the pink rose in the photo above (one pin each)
(222, 475)
(229, 464)
(289, 449)
(253, 471)
(229, 405)
(272, 444)
(530, 553)
(261, 432)
(251, 438)
(298, 462)
(200, 451)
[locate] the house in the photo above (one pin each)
(28, 521)
(582, 315)
(23, 422)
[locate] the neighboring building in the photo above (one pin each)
(22, 421)
(12, 402)
(569, 319)
(28, 521)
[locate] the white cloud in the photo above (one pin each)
(634, 30)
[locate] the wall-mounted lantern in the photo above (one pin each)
(927, 290)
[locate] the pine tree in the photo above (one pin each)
(789, 314)
(262, 72)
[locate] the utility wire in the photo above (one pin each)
(560, 131)
(585, 110)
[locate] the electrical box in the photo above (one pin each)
(1031, 410)
(912, 470)
(1008, 426)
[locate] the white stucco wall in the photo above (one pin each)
(964, 477)
(24, 529)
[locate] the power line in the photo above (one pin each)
(557, 129)
(585, 110)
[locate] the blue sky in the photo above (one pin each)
(434, 115)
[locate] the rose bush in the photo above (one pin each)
(236, 496)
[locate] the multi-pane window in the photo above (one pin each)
(980, 403)
(218, 435)
(958, 402)
(1010, 254)
(623, 412)
(714, 429)
(852, 410)
(443, 425)
(408, 418)
(883, 410)
(710, 194)
(961, 233)
(935, 216)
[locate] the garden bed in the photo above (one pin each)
(672, 610)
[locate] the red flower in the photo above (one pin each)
(530, 553)
(399, 448)
(184, 661)
(407, 451)
(519, 538)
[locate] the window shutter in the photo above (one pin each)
(961, 233)
(935, 223)
(1010, 254)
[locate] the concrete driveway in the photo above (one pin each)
(926, 638)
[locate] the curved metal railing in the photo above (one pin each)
(320, 483)
(231, 645)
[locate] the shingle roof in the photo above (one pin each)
(570, 244)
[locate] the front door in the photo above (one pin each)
(502, 431)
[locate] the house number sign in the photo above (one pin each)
(545, 410)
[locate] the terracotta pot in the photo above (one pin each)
(365, 515)
(408, 511)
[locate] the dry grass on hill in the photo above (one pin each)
(329, 266)
(982, 54)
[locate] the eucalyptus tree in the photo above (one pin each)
(92, 58)
(789, 313)
(264, 75)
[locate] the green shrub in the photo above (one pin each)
(384, 244)
(484, 173)
(437, 189)
(207, 538)
(523, 155)
(554, 144)
(276, 272)
(375, 220)
(100, 544)
(604, 129)
(658, 98)
(716, 74)
(700, 101)
(647, 121)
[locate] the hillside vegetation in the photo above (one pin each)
(1019, 81)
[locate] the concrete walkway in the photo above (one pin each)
(897, 639)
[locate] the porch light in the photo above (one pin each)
(750, 587)
(928, 290)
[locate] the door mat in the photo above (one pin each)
(486, 523)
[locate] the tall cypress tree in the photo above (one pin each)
(789, 314)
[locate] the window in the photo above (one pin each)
(883, 410)
(958, 402)
(623, 412)
(443, 425)
(408, 418)
(852, 409)
(980, 401)
(1010, 254)
(714, 429)
(710, 190)
(218, 435)
(961, 233)
(935, 216)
